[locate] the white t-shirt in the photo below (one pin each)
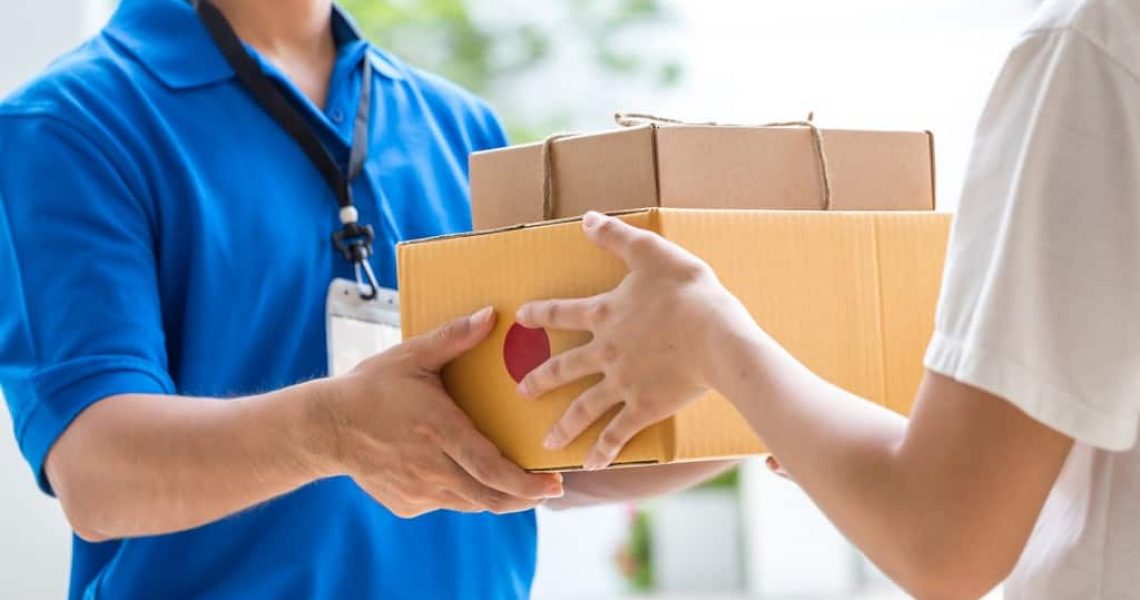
(1041, 297)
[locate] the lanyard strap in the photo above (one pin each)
(353, 240)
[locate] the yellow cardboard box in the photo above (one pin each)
(851, 294)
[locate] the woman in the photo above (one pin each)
(1029, 409)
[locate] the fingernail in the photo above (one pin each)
(551, 441)
(554, 490)
(594, 463)
(482, 314)
(774, 466)
(522, 388)
(591, 219)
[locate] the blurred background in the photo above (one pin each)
(567, 65)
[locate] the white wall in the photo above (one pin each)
(35, 543)
(32, 32)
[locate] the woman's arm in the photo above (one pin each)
(634, 483)
(943, 504)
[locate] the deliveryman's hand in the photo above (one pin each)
(655, 338)
(391, 426)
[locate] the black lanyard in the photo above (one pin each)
(353, 240)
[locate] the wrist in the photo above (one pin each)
(320, 429)
(734, 350)
(729, 340)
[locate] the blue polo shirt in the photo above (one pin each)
(161, 234)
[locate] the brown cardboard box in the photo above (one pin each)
(704, 166)
(851, 294)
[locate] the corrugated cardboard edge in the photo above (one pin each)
(616, 465)
(656, 166)
(667, 442)
(880, 309)
(402, 284)
(933, 173)
(463, 234)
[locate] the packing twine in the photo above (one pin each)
(624, 119)
(549, 206)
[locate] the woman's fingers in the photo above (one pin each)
(586, 409)
(629, 421)
(575, 314)
(559, 370)
(774, 466)
(631, 244)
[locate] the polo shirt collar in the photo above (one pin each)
(167, 37)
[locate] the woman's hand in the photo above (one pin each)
(655, 338)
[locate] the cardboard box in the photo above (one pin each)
(851, 294)
(702, 166)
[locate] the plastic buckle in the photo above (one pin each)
(354, 241)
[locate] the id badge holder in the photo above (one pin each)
(356, 327)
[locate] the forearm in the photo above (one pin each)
(944, 503)
(846, 453)
(137, 465)
(636, 483)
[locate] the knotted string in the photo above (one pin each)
(634, 119)
(549, 198)
(624, 119)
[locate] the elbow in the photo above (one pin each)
(80, 507)
(87, 534)
(82, 519)
(939, 569)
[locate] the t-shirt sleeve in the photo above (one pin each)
(1042, 284)
(80, 318)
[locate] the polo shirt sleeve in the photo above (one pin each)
(80, 318)
(492, 133)
(1042, 284)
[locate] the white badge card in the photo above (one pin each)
(357, 328)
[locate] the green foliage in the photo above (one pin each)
(635, 559)
(487, 55)
(729, 480)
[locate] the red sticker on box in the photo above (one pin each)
(525, 349)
